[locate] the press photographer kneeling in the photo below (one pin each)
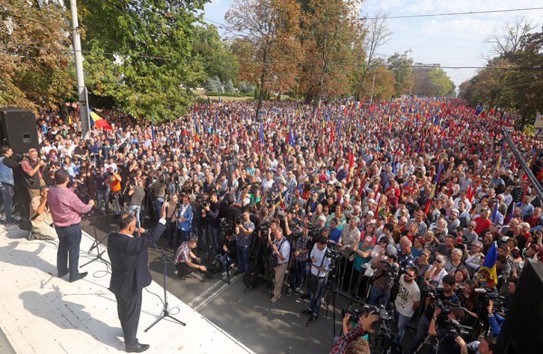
(185, 256)
(365, 325)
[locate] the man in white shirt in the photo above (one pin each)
(316, 281)
(407, 301)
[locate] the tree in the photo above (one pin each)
(148, 46)
(214, 54)
(508, 39)
(229, 86)
(213, 84)
(432, 81)
(329, 37)
(512, 81)
(401, 67)
(269, 29)
(382, 83)
(35, 59)
(377, 34)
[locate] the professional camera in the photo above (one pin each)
(333, 254)
(485, 296)
(355, 312)
(239, 220)
(264, 228)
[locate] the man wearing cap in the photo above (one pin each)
(386, 272)
(320, 264)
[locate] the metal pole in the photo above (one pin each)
(533, 179)
(372, 88)
(78, 57)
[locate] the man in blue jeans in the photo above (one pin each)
(407, 301)
(7, 164)
(320, 265)
(244, 232)
(66, 210)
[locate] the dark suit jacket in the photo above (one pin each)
(129, 258)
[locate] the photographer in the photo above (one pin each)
(446, 329)
(184, 255)
(114, 180)
(386, 273)
(136, 194)
(365, 325)
(495, 320)
(244, 231)
(320, 264)
(210, 211)
(281, 254)
(302, 245)
(447, 295)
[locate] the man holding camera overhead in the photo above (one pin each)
(244, 231)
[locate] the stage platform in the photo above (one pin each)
(41, 313)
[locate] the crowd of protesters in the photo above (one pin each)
(403, 200)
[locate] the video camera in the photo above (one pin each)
(357, 312)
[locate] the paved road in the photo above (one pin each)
(249, 316)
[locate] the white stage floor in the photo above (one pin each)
(40, 313)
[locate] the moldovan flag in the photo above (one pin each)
(488, 270)
(98, 121)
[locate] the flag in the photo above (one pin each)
(291, 139)
(494, 213)
(99, 122)
(196, 128)
(488, 273)
(262, 138)
(153, 134)
(351, 165)
(499, 162)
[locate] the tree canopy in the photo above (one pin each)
(512, 80)
(35, 63)
(140, 53)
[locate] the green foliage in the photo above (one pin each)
(141, 53)
(432, 81)
(213, 84)
(512, 81)
(229, 86)
(401, 67)
(35, 63)
(214, 54)
(246, 88)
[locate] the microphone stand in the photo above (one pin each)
(95, 244)
(165, 311)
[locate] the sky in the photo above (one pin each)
(452, 41)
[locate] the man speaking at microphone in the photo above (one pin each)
(130, 273)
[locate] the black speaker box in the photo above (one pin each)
(18, 129)
(522, 331)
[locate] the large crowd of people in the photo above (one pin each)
(400, 203)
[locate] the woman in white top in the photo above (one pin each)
(434, 275)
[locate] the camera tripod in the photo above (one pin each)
(428, 340)
(165, 311)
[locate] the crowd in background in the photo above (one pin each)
(413, 194)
